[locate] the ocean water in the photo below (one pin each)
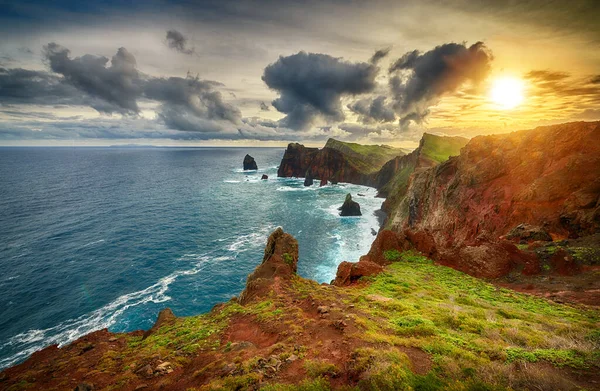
(107, 237)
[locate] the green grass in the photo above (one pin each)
(365, 158)
(440, 148)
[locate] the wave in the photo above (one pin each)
(245, 242)
(92, 243)
(33, 340)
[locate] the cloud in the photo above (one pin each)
(178, 41)
(419, 80)
(588, 115)
(379, 54)
(373, 110)
(264, 106)
(595, 79)
(546, 75)
(23, 86)
(311, 86)
(117, 86)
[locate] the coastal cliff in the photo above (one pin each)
(462, 210)
(520, 204)
(337, 161)
(415, 326)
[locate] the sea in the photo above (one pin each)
(94, 238)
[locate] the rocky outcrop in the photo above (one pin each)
(350, 207)
(546, 177)
(165, 316)
(279, 264)
(525, 233)
(393, 178)
(350, 272)
(264, 177)
(249, 163)
(337, 161)
(308, 179)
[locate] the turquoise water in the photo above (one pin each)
(106, 237)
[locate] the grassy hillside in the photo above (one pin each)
(440, 148)
(417, 326)
(368, 158)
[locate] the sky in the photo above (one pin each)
(265, 73)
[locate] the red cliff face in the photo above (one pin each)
(547, 177)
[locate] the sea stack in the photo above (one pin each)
(249, 163)
(350, 207)
(264, 177)
(308, 179)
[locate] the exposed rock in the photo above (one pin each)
(348, 272)
(350, 207)
(165, 316)
(323, 182)
(308, 179)
(385, 241)
(459, 211)
(563, 263)
(85, 387)
(249, 163)
(242, 346)
(163, 368)
(525, 233)
(279, 263)
(264, 176)
(337, 161)
(322, 309)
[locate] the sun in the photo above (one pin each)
(507, 92)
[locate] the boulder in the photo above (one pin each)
(323, 182)
(249, 163)
(279, 264)
(264, 177)
(348, 272)
(350, 207)
(525, 233)
(165, 316)
(308, 179)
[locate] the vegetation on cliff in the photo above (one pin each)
(416, 326)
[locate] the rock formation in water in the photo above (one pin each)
(350, 207)
(308, 179)
(264, 177)
(249, 163)
(337, 161)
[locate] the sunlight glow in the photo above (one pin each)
(507, 92)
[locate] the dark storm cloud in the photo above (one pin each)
(595, 79)
(117, 86)
(312, 85)
(373, 110)
(178, 41)
(379, 54)
(420, 79)
(264, 106)
(190, 103)
(23, 86)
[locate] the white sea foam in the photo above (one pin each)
(104, 317)
(92, 243)
(245, 242)
(231, 181)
